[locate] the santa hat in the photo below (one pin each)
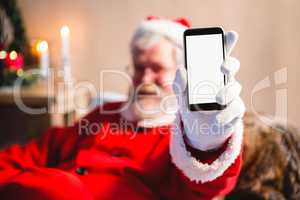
(172, 29)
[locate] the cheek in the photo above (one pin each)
(168, 76)
(166, 81)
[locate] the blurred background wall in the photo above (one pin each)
(100, 31)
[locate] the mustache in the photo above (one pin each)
(148, 89)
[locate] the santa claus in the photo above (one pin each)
(151, 147)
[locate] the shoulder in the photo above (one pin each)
(105, 112)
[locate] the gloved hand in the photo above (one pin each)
(207, 130)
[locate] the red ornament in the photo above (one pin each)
(14, 61)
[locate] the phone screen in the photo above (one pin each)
(204, 57)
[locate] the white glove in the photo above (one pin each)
(207, 130)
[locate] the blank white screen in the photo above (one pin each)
(204, 54)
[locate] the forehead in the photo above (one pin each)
(160, 53)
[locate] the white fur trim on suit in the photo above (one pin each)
(168, 28)
(200, 172)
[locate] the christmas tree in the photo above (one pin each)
(14, 46)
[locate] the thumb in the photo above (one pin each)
(180, 81)
(231, 38)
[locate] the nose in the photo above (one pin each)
(148, 76)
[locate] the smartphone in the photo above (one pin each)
(204, 55)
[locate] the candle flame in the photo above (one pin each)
(43, 46)
(64, 31)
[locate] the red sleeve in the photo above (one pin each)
(179, 186)
(221, 185)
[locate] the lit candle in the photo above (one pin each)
(44, 58)
(65, 37)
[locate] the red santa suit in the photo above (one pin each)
(97, 159)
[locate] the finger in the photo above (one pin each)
(235, 109)
(228, 93)
(231, 38)
(230, 67)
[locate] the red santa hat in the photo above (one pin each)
(172, 29)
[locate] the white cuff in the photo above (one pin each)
(200, 172)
